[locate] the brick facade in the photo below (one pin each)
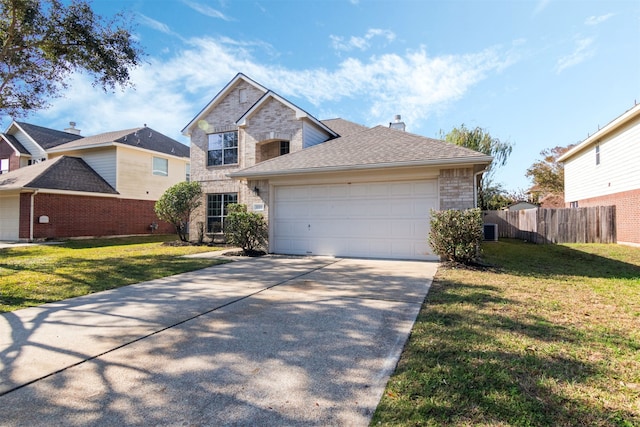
(456, 188)
(627, 213)
(259, 139)
(84, 216)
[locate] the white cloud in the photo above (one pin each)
(581, 53)
(362, 43)
(169, 93)
(595, 20)
(206, 10)
(156, 25)
(542, 5)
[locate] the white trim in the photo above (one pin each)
(435, 162)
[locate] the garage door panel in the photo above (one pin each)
(383, 220)
(9, 217)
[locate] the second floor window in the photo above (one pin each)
(223, 149)
(160, 166)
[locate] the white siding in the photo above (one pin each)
(36, 152)
(312, 135)
(618, 171)
(103, 162)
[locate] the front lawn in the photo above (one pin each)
(549, 336)
(34, 275)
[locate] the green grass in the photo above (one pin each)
(34, 275)
(548, 336)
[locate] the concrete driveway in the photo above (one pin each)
(263, 341)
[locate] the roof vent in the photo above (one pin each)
(72, 129)
(397, 123)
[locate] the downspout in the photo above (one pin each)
(31, 215)
(475, 187)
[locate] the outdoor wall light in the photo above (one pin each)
(256, 191)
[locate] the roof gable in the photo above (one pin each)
(62, 173)
(46, 138)
(300, 113)
(15, 144)
(219, 97)
(378, 147)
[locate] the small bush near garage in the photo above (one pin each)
(247, 230)
(456, 235)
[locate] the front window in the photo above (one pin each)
(217, 210)
(187, 170)
(160, 166)
(223, 149)
(4, 166)
(597, 154)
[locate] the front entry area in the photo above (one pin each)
(371, 220)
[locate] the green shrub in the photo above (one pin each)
(177, 203)
(247, 230)
(456, 235)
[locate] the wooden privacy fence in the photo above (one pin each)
(574, 225)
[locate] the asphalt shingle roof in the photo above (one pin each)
(142, 137)
(48, 138)
(376, 147)
(13, 141)
(60, 173)
(344, 127)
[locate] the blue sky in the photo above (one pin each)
(535, 73)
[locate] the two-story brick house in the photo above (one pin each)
(328, 187)
(604, 170)
(58, 184)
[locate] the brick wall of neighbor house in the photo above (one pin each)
(6, 152)
(80, 216)
(456, 188)
(627, 205)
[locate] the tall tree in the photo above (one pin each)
(43, 41)
(547, 174)
(479, 139)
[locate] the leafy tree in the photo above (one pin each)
(480, 140)
(245, 229)
(44, 41)
(548, 174)
(177, 203)
(493, 196)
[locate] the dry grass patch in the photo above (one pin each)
(550, 336)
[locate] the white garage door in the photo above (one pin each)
(374, 220)
(9, 217)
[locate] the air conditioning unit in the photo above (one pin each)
(490, 232)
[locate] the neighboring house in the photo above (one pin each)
(328, 187)
(59, 184)
(604, 169)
